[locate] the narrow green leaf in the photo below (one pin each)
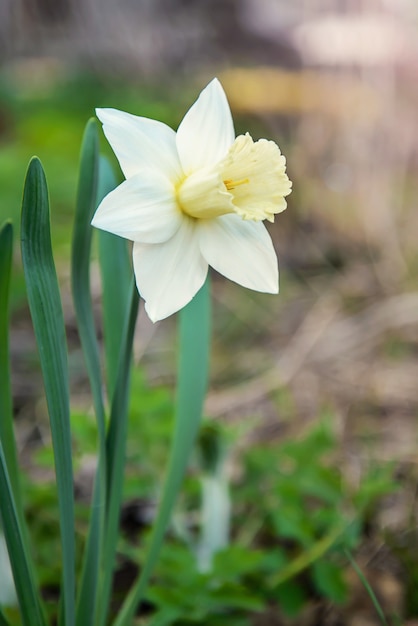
(116, 448)
(193, 371)
(27, 593)
(114, 262)
(80, 264)
(7, 438)
(88, 598)
(48, 322)
(6, 414)
(368, 588)
(80, 281)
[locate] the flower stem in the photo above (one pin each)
(193, 371)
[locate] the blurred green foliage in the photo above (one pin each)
(293, 514)
(47, 118)
(294, 510)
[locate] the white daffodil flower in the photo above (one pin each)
(192, 199)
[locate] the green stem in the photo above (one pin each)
(193, 371)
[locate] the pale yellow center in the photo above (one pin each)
(250, 181)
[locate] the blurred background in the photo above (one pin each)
(335, 83)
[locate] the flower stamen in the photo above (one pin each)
(231, 184)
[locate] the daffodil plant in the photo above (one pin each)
(191, 199)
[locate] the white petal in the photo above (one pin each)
(240, 250)
(143, 208)
(207, 130)
(168, 275)
(139, 142)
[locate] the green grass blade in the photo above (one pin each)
(80, 280)
(6, 414)
(193, 372)
(114, 261)
(116, 446)
(27, 593)
(367, 587)
(48, 322)
(309, 556)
